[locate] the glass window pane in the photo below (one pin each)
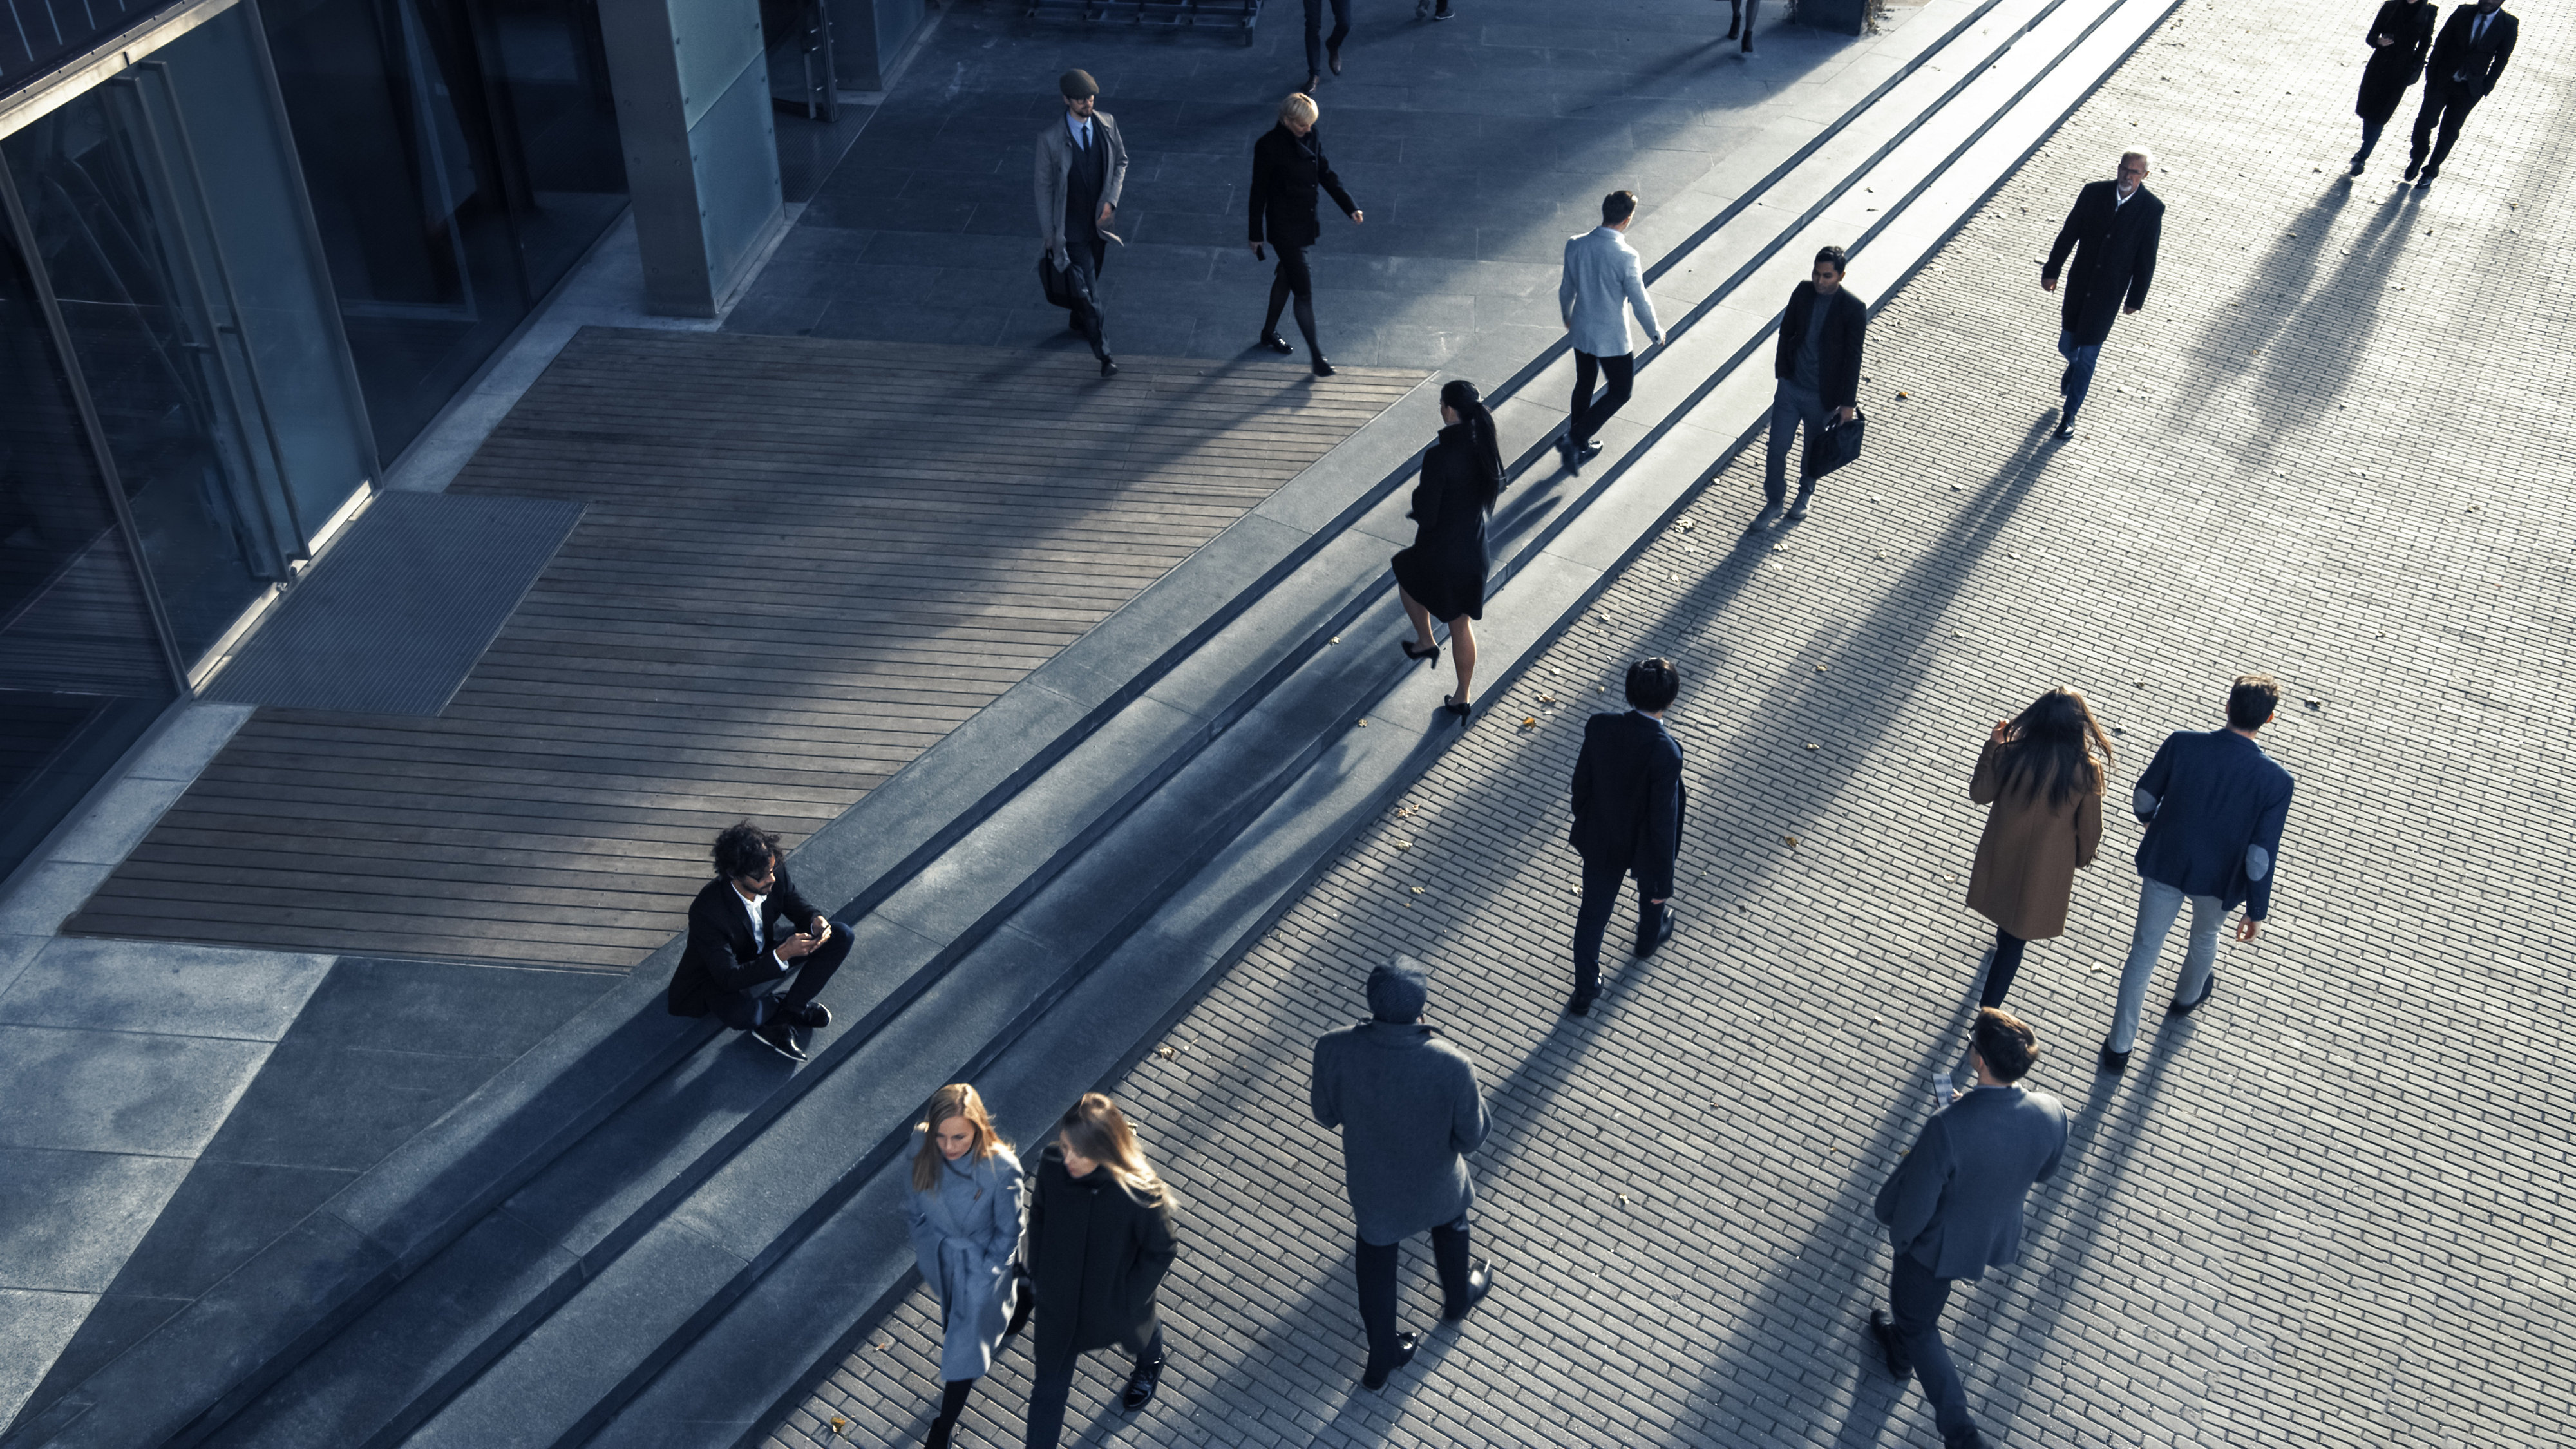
(555, 118)
(81, 668)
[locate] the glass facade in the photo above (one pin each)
(235, 274)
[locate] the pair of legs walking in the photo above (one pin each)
(1082, 279)
(2445, 106)
(1377, 1263)
(2158, 905)
(1592, 921)
(1462, 641)
(1915, 1299)
(1316, 45)
(2078, 379)
(1588, 414)
(1052, 1389)
(1740, 18)
(1792, 407)
(1293, 279)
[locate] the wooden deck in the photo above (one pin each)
(804, 562)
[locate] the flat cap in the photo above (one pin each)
(1076, 84)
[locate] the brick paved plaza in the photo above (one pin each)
(2329, 1209)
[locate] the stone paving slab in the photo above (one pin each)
(2329, 1209)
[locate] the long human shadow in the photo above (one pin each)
(2293, 338)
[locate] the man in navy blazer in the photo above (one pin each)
(2214, 806)
(1953, 1208)
(1628, 801)
(749, 931)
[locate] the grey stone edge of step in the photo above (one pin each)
(407, 1209)
(854, 1263)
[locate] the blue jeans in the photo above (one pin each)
(2079, 370)
(1790, 406)
(2158, 904)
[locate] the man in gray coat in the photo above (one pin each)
(1602, 277)
(1953, 1208)
(1410, 1110)
(1082, 166)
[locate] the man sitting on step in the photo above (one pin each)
(745, 940)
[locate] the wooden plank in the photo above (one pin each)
(959, 514)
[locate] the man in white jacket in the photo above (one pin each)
(1602, 276)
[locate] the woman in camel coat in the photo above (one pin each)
(2043, 774)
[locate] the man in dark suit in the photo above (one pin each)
(2468, 59)
(2214, 805)
(1081, 171)
(1953, 1208)
(1628, 802)
(1818, 367)
(749, 931)
(2113, 231)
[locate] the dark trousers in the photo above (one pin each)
(1742, 19)
(2369, 139)
(1592, 921)
(1293, 280)
(1087, 254)
(952, 1402)
(1315, 44)
(1377, 1262)
(1589, 415)
(1792, 406)
(743, 1010)
(2446, 104)
(1914, 1301)
(2000, 972)
(1051, 1387)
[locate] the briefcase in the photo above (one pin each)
(1831, 447)
(1053, 281)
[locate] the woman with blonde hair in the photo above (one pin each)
(2043, 773)
(965, 1209)
(1288, 169)
(1100, 1241)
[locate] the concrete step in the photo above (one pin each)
(514, 1275)
(1120, 939)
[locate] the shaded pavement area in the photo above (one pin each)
(2329, 1208)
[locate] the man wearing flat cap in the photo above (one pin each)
(1410, 1110)
(1082, 166)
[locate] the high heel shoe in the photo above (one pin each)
(1450, 703)
(1432, 653)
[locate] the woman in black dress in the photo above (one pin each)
(1443, 575)
(2399, 38)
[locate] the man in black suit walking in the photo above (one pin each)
(2112, 230)
(2468, 59)
(1953, 1208)
(749, 931)
(1628, 802)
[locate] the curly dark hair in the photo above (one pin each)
(743, 849)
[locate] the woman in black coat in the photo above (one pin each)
(1443, 575)
(1288, 166)
(2400, 38)
(1099, 1243)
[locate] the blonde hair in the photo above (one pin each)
(957, 1099)
(1095, 1128)
(1299, 105)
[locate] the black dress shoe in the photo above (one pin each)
(779, 1037)
(2356, 166)
(1579, 1004)
(1141, 1385)
(2186, 1008)
(2414, 166)
(2065, 432)
(1573, 457)
(1890, 1352)
(1589, 451)
(1314, 83)
(1322, 367)
(1375, 1379)
(1273, 342)
(813, 1016)
(1108, 367)
(1333, 60)
(1662, 932)
(2111, 1061)
(1480, 1281)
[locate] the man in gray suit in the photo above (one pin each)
(1410, 1110)
(1601, 277)
(1082, 166)
(1953, 1208)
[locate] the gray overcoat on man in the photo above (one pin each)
(1410, 1110)
(1954, 1204)
(1055, 166)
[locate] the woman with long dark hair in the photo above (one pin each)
(964, 1211)
(1442, 576)
(1100, 1241)
(2401, 35)
(2042, 773)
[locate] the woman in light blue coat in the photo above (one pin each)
(965, 1209)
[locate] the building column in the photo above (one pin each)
(693, 117)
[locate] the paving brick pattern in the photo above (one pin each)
(2328, 1209)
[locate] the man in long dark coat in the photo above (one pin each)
(2112, 231)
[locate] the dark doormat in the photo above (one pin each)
(393, 618)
